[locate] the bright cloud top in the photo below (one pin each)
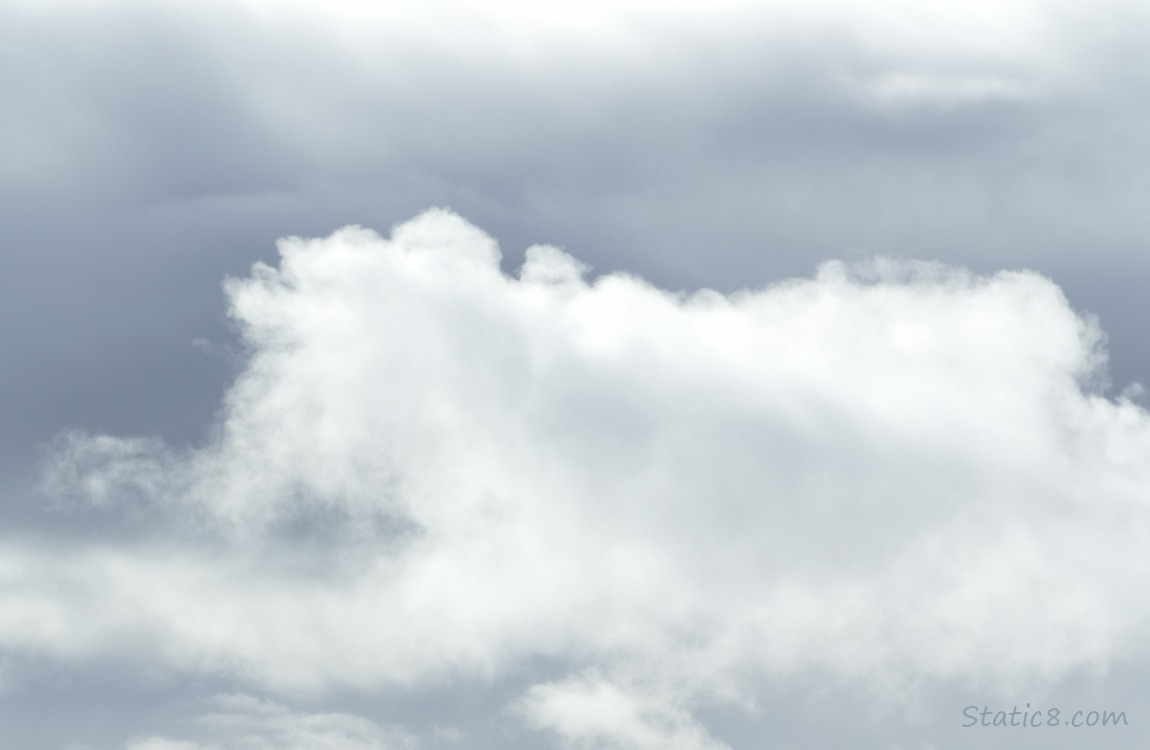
(884, 472)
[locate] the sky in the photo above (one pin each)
(587, 376)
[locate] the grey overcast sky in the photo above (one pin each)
(635, 374)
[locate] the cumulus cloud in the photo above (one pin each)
(429, 469)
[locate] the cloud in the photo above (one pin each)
(657, 139)
(430, 471)
(590, 712)
(900, 90)
(245, 722)
(695, 145)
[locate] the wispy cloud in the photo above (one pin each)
(244, 722)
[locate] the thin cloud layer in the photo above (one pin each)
(243, 722)
(429, 470)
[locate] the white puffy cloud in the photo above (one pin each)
(430, 470)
